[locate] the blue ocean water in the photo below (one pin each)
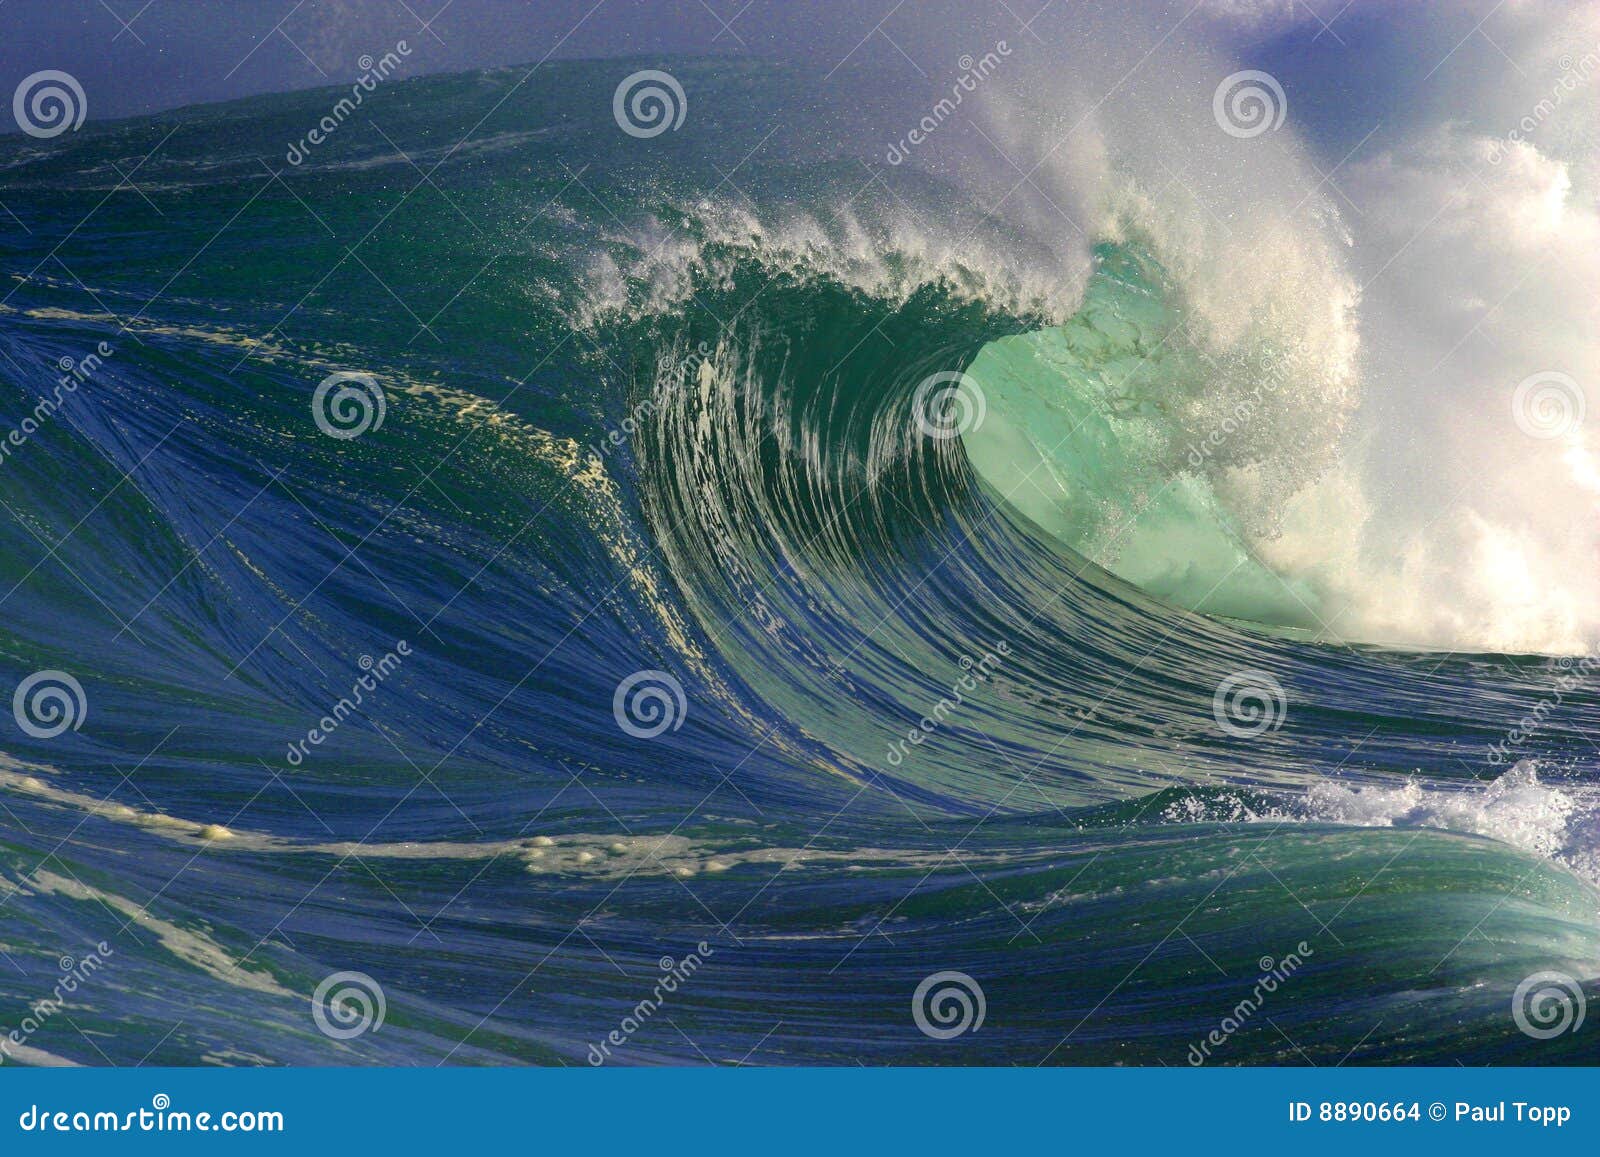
(523, 601)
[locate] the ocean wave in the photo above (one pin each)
(954, 656)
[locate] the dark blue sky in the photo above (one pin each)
(142, 56)
(134, 56)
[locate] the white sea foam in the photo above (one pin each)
(1551, 819)
(1554, 822)
(1395, 486)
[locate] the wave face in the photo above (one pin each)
(765, 595)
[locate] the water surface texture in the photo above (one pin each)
(691, 597)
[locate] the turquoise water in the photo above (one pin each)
(946, 702)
